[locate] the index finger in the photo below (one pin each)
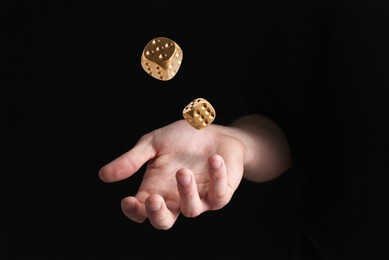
(130, 162)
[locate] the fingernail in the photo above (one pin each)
(184, 179)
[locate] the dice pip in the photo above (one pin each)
(162, 58)
(199, 113)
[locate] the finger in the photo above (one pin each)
(158, 213)
(217, 195)
(190, 202)
(134, 209)
(130, 162)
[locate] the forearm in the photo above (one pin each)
(267, 152)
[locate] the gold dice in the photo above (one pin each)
(199, 113)
(162, 58)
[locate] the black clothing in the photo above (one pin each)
(323, 79)
(74, 97)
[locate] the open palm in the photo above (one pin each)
(188, 171)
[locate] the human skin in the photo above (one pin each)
(191, 171)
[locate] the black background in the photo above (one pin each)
(74, 97)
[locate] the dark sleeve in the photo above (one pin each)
(278, 71)
(323, 79)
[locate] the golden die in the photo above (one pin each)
(199, 113)
(162, 58)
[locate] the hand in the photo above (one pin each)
(189, 172)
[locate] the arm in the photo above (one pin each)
(267, 153)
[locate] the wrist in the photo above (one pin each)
(266, 150)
